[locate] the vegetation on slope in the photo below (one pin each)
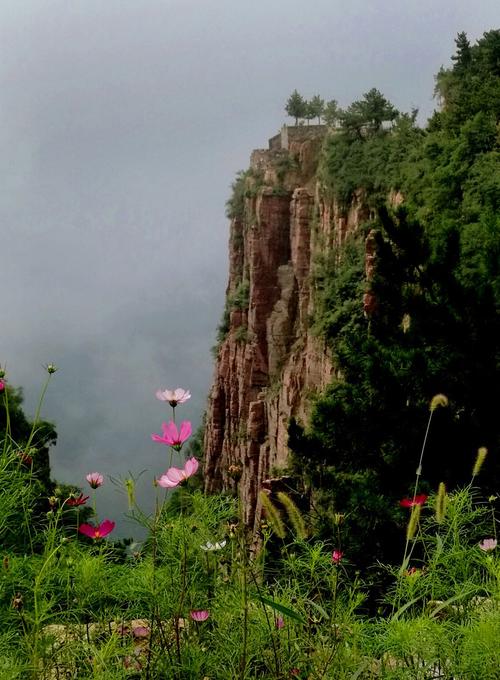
(435, 321)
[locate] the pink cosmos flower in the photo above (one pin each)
(488, 544)
(175, 476)
(95, 479)
(102, 530)
(279, 622)
(199, 615)
(174, 397)
(173, 437)
(410, 502)
(337, 555)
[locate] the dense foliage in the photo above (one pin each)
(434, 315)
(197, 601)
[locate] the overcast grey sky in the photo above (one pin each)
(122, 124)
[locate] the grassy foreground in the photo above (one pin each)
(202, 598)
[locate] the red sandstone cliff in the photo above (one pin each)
(270, 364)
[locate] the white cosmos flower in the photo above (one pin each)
(174, 397)
(208, 547)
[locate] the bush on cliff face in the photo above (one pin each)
(435, 316)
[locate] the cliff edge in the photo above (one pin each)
(269, 363)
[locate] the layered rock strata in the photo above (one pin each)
(270, 364)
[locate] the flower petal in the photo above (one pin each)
(166, 483)
(185, 431)
(191, 466)
(87, 530)
(106, 527)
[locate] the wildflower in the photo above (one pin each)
(175, 476)
(2, 385)
(199, 615)
(209, 547)
(50, 368)
(95, 479)
(279, 622)
(488, 544)
(140, 631)
(102, 530)
(406, 323)
(411, 502)
(174, 397)
(337, 556)
(412, 571)
(439, 400)
(75, 501)
(173, 437)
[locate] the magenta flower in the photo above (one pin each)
(488, 544)
(337, 556)
(95, 479)
(102, 530)
(2, 385)
(74, 501)
(199, 615)
(279, 622)
(173, 437)
(175, 476)
(174, 397)
(411, 502)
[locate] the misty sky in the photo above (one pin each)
(122, 125)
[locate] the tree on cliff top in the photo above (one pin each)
(368, 113)
(316, 107)
(296, 106)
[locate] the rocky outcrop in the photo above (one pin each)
(270, 363)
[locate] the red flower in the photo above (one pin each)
(337, 556)
(102, 530)
(410, 502)
(73, 501)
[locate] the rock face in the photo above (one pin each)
(269, 363)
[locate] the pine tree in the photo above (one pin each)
(296, 106)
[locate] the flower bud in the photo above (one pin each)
(439, 400)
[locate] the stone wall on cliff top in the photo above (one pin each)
(270, 364)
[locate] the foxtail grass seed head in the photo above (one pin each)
(273, 515)
(441, 502)
(413, 523)
(439, 400)
(294, 515)
(480, 458)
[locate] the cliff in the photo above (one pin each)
(269, 364)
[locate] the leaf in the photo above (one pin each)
(281, 608)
